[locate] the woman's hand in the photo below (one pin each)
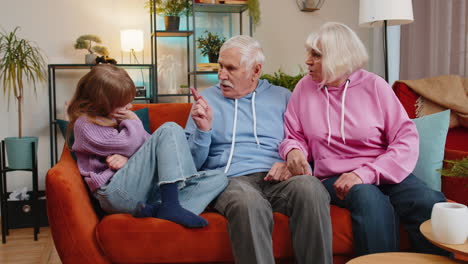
(116, 161)
(297, 163)
(344, 183)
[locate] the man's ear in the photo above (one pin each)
(257, 70)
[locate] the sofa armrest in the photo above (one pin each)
(72, 218)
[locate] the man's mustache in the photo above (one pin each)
(227, 83)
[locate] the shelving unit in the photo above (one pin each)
(149, 97)
(190, 36)
(4, 203)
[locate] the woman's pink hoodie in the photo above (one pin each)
(362, 129)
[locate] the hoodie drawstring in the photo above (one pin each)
(255, 120)
(343, 97)
(233, 138)
(343, 110)
(254, 114)
(328, 115)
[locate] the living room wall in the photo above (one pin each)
(55, 24)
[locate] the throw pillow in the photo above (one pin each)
(144, 117)
(432, 131)
(63, 124)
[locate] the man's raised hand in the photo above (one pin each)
(201, 112)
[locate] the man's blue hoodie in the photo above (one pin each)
(259, 131)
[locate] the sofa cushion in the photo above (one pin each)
(144, 117)
(122, 237)
(162, 113)
(432, 131)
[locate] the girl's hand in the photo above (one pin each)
(116, 161)
(124, 115)
(297, 163)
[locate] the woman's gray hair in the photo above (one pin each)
(250, 50)
(341, 49)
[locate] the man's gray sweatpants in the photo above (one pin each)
(249, 202)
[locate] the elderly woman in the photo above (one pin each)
(364, 147)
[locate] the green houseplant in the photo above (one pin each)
(254, 11)
(20, 60)
(210, 44)
(172, 10)
(455, 180)
(456, 168)
(87, 42)
(280, 78)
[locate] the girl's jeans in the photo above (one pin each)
(164, 158)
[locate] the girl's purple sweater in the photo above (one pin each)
(94, 143)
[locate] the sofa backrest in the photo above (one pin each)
(162, 113)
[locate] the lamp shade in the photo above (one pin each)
(131, 39)
(372, 13)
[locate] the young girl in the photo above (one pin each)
(128, 170)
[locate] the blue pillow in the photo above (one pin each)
(432, 131)
(144, 117)
(63, 124)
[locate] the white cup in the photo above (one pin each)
(450, 223)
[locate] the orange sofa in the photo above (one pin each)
(80, 236)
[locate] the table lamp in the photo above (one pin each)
(131, 40)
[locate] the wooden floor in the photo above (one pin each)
(21, 248)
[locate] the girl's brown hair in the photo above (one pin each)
(98, 93)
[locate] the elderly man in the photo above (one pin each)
(242, 137)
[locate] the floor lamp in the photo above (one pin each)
(378, 13)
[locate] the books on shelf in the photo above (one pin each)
(208, 66)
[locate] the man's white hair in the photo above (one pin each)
(250, 50)
(341, 49)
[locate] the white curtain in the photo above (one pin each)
(436, 43)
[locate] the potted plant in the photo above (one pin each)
(172, 10)
(455, 180)
(87, 42)
(210, 44)
(252, 5)
(254, 11)
(20, 60)
(280, 78)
